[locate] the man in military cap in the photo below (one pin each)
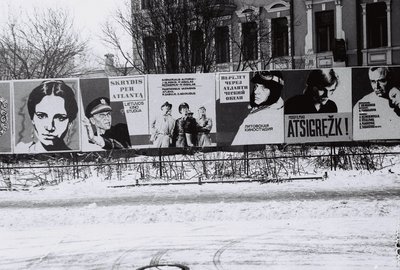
(105, 135)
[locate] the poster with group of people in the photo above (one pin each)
(200, 110)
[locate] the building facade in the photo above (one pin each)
(292, 34)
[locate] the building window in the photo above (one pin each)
(324, 24)
(146, 4)
(222, 48)
(280, 31)
(172, 53)
(149, 52)
(196, 47)
(376, 25)
(250, 41)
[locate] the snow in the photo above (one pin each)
(89, 224)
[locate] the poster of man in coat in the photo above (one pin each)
(182, 110)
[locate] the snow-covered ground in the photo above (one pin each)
(71, 226)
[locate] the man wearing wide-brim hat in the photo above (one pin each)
(162, 127)
(105, 135)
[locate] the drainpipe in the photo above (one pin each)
(359, 33)
(292, 49)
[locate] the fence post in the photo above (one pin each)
(246, 160)
(160, 161)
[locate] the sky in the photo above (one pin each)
(89, 15)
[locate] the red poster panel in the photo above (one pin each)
(182, 110)
(376, 101)
(250, 108)
(5, 117)
(46, 116)
(318, 105)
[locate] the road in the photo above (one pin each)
(342, 234)
(383, 193)
(283, 244)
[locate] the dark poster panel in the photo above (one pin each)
(318, 105)
(104, 120)
(5, 117)
(250, 108)
(376, 103)
(182, 110)
(46, 116)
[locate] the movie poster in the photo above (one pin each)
(5, 117)
(46, 116)
(318, 105)
(250, 108)
(376, 103)
(110, 107)
(182, 110)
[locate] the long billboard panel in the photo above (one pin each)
(200, 110)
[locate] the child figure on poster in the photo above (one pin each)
(204, 126)
(162, 128)
(52, 108)
(185, 127)
(266, 115)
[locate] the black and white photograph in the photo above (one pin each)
(199, 135)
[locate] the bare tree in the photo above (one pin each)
(177, 34)
(42, 45)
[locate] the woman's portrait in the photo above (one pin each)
(47, 118)
(264, 123)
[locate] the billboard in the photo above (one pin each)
(318, 105)
(5, 117)
(46, 116)
(182, 110)
(250, 108)
(376, 101)
(200, 110)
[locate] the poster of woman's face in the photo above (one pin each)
(5, 122)
(46, 116)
